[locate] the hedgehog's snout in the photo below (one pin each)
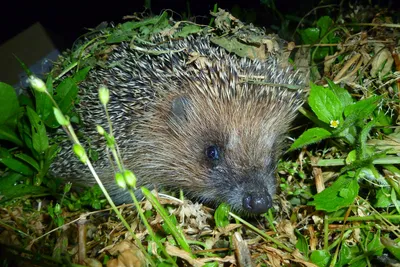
(257, 203)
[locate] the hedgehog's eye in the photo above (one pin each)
(212, 153)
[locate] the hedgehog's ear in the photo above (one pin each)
(179, 109)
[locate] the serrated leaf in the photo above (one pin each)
(40, 140)
(310, 136)
(325, 104)
(9, 106)
(340, 194)
(362, 109)
(343, 95)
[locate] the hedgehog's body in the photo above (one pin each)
(189, 119)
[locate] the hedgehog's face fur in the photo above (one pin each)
(218, 151)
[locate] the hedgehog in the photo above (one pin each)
(196, 118)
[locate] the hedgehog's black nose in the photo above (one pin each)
(257, 203)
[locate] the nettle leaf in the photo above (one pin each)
(325, 104)
(340, 194)
(39, 137)
(343, 95)
(310, 136)
(362, 109)
(9, 107)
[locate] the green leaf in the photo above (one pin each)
(39, 137)
(345, 255)
(301, 244)
(81, 75)
(383, 198)
(340, 194)
(392, 246)
(44, 106)
(324, 24)
(320, 258)
(342, 94)
(221, 215)
(310, 35)
(13, 186)
(325, 104)
(65, 96)
(9, 106)
(6, 133)
(28, 159)
(17, 166)
(187, 30)
(375, 247)
(310, 136)
(360, 110)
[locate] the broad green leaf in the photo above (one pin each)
(325, 104)
(361, 109)
(9, 106)
(343, 95)
(375, 247)
(310, 136)
(17, 166)
(40, 140)
(81, 75)
(324, 24)
(383, 198)
(13, 186)
(320, 258)
(340, 194)
(6, 133)
(310, 35)
(345, 255)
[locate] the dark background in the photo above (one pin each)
(66, 20)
